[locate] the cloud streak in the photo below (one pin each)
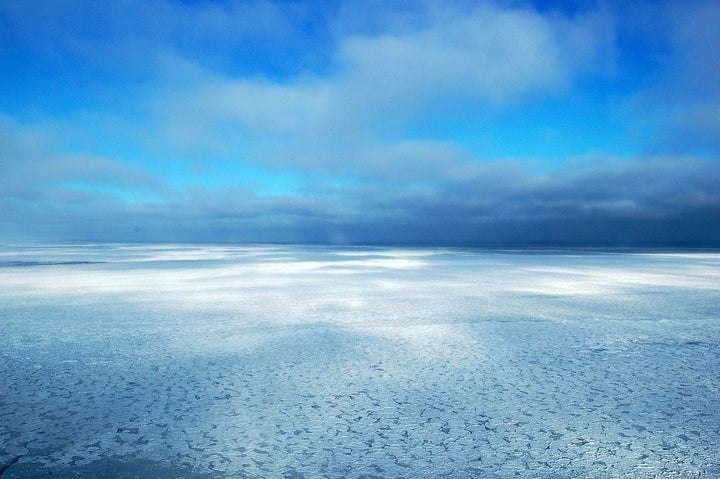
(621, 203)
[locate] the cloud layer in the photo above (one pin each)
(434, 123)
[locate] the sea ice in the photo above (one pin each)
(270, 361)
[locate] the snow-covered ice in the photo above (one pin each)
(291, 362)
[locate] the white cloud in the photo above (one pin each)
(32, 165)
(492, 55)
(380, 83)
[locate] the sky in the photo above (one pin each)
(428, 122)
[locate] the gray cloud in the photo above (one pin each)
(659, 201)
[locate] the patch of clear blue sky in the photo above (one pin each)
(261, 180)
(550, 131)
(589, 120)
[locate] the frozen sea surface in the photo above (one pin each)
(290, 362)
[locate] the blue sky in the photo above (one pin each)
(428, 122)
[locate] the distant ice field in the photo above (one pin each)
(316, 362)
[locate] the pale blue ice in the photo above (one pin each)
(277, 362)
